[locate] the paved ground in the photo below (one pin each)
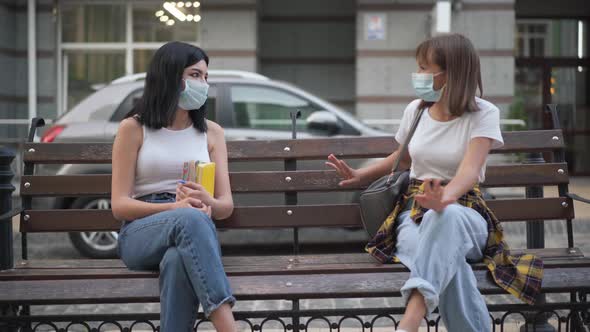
(57, 246)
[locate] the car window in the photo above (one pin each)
(260, 107)
(127, 104)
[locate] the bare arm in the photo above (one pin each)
(125, 151)
(369, 173)
(222, 205)
(468, 172)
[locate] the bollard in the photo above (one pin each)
(6, 189)
(6, 245)
(535, 238)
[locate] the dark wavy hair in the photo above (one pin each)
(163, 83)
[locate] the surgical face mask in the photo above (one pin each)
(194, 94)
(423, 84)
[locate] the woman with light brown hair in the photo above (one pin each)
(442, 222)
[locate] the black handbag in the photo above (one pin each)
(378, 200)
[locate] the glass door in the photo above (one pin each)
(570, 91)
(552, 66)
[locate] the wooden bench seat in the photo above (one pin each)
(285, 277)
(254, 265)
(256, 287)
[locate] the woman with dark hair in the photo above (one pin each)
(168, 226)
(442, 221)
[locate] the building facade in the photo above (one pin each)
(355, 53)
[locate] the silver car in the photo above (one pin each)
(247, 105)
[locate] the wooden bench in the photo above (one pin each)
(293, 277)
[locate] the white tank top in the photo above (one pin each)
(162, 155)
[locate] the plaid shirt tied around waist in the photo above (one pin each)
(519, 275)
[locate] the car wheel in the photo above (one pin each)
(94, 244)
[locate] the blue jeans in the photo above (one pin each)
(437, 253)
(182, 244)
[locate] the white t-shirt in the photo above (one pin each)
(437, 148)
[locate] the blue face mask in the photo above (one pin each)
(194, 94)
(423, 84)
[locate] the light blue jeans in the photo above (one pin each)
(182, 244)
(437, 253)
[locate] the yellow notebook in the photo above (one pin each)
(206, 176)
(202, 173)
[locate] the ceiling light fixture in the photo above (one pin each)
(174, 11)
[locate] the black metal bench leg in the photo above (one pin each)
(580, 320)
(8, 311)
(536, 239)
(296, 322)
(26, 311)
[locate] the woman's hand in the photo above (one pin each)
(350, 175)
(434, 197)
(194, 190)
(190, 202)
(187, 202)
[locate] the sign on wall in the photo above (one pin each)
(375, 25)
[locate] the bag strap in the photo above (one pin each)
(405, 145)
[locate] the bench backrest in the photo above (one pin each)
(288, 181)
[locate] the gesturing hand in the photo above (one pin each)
(434, 197)
(349, 174)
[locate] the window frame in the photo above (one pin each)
(128, 46)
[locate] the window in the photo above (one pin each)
(141, 60)
(259, 107)
(91, 23)
(551, 38)
(87, 70)
(108, 39)
(147, 26)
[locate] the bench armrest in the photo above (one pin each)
(8, 215)
(577, 198)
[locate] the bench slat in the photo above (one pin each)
(313, 286)
(335, 215)
(316, 148)
(351, 263)
(272, 260)
(323, 180)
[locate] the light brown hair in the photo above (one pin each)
(456, 56)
